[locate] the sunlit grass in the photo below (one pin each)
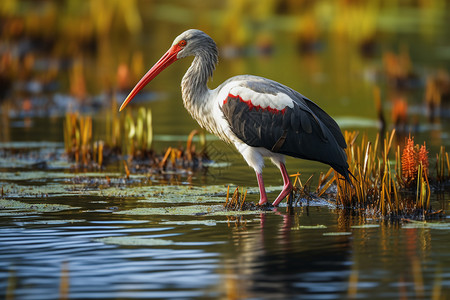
(384, 178)
(237, 200)
(127, 138)
(138, 133)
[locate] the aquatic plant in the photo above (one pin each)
(437, 92)
(377, 187)
(400, 113)
(379, 107)
(300, 190)
(139, 133)
(413, 158)
(77, 137)
(442, 162)
(399, 69)
(237, 199)
(130, 138)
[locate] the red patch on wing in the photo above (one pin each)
(256, 107)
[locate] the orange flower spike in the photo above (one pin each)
(423, 158)
(409, 161)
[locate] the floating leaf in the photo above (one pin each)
(336, 233)
(193, 222)
(134, 241)
(190, 210)
(433, 225)
(366, 226)
(319, 226)
(35, 207)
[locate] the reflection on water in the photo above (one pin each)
(262, 256)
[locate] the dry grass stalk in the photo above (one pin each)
(323, 185)
(375, 184)
(190, 148)
(437, 92)
(166, 156)
(300, 190)
(398, 66)
(237, 200)
(77, 137)
(442, 162)
(379, 105)
(139, 132)
(135, 141)
(297, 180)
(127, 170)
(432, 94)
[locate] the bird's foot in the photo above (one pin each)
(287, 188)
(262, 200)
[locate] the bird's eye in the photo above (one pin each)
(182, 43)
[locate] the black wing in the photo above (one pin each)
(303, 131)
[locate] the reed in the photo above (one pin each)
(442, 162)
(237, 200)
(399, 69)
(190, 147)
(129, 137)
(138, 132)
(78, 138)
(380, 185)
(114, 123)
(437, 93)
(300, 190)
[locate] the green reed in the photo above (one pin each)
(379, 184)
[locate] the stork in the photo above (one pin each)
(260, 117)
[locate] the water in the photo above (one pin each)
(271, 255)
(96, 235)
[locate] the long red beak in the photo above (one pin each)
(167, 59)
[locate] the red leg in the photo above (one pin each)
(287, 185)
(262, 189)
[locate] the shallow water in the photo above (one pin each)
(95, 251)
(77, 236)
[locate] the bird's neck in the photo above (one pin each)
(194, 86)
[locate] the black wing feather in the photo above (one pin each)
(328, 122)
(308, 136)
(267, 86)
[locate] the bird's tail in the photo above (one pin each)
(344, 171)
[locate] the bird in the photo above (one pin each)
(260, 117)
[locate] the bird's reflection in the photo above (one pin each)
(275, 258)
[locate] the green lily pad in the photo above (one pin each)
(336, 233)
(319, 226)
(366, 226)
(190, 210)
(134, 241)
(193, 222)
(432, 225)
(50, 222)
(35, 207)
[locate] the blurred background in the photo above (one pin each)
(372, 65)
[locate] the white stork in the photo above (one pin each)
(261, 117)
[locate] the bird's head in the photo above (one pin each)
(192, 42)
